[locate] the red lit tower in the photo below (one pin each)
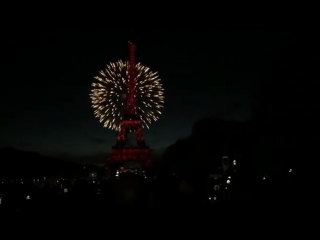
(130, 123)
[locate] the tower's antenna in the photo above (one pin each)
(132, 36)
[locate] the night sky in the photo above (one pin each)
(47, 76)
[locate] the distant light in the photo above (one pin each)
(234, 162)
(65, 190)
(215, 198)
(209, 198)
(28, 197)
(93, 181)
(228, 181)
(290, 170)
(229, 177)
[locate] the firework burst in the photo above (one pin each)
(108, 95)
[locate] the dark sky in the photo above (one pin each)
(47, 75)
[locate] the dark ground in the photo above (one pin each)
(132, 194)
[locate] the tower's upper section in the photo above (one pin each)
(131, 83)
